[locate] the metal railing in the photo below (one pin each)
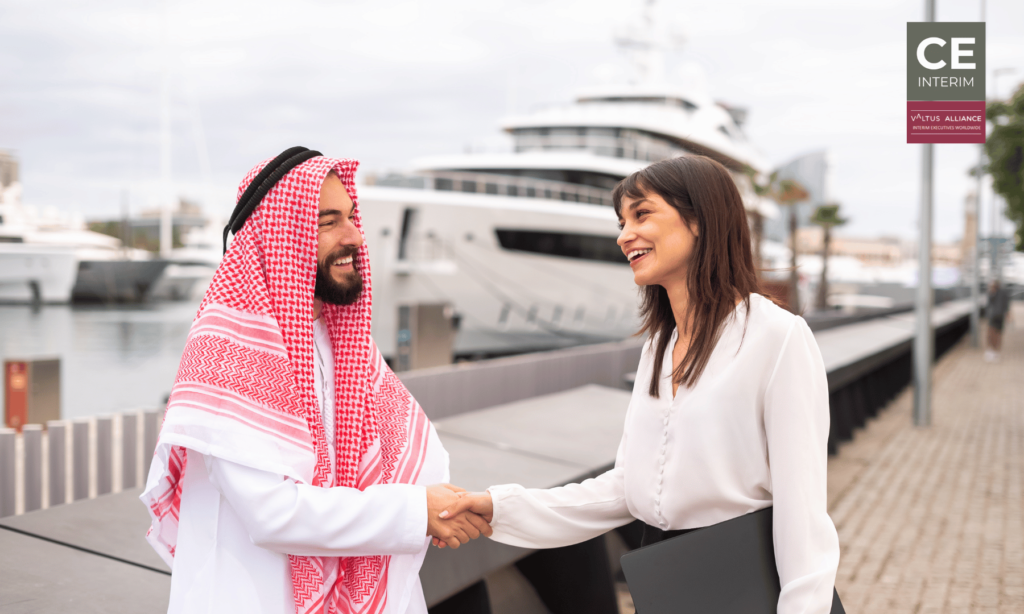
(499, 185)
(71, 460)
(634, 147)
(526, 187)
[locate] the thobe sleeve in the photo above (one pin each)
(796, 421)
(284, 516)
(556, 517)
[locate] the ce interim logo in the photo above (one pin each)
(946, 82)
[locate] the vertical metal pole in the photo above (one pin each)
(923, 336)
(166, 193)
(57, 432)
(32, 435)
(975, 277)
(129, 450)
(104, 455)
(80, 459)
(8, 492)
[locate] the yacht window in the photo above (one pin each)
(408, 222)
(564, 244)
(686, 104)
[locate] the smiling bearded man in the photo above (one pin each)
(291, 467)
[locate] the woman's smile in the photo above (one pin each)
(637, 255)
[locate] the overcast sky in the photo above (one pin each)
(386, 82)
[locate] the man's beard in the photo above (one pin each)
(344, 292)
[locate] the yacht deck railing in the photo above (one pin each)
(500, 185)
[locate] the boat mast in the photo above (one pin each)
(166, 197)
(646, 45)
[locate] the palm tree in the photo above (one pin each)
(826, 216)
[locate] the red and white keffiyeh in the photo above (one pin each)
(244, 390)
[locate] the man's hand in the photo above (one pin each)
(451, 530)
(474, 505)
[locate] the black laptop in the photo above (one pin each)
(727, 568)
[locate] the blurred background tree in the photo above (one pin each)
(826, 216)
(787, 193)
(1005, 151)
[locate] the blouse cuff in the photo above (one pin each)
(498, 495)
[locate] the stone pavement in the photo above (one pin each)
(930, 520)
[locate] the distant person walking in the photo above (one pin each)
(998, 307)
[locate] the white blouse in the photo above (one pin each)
(751, 433)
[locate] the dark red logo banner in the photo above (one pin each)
(946, 121)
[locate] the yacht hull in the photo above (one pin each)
(118, 281)
(32, 273)
(183, 282)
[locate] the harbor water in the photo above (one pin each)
(113, 359)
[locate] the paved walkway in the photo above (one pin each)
(930, 520)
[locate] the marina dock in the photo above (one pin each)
(931, 517)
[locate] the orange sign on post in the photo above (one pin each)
(15, 394)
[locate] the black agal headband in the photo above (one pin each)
(261, 184)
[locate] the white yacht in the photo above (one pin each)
(29, 272)
(522, 244)
(52, 258)
(191, 266)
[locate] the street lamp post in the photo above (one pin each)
(923, 337)
(975, 276)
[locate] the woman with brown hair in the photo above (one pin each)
(729, 413)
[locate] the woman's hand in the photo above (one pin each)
(478, 505)
(451, 529)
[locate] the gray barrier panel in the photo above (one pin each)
(104, 455)
(7, 479)
(80, 460)
(58, 432)
(513, 450)
(129, 450)
(32, 439)
(42, 577)
(114, 525)
(456, 389)
(151, 429)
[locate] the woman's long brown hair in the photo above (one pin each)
(721, 268)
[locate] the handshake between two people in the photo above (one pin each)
(455, 516)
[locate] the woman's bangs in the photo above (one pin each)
(633, 187)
